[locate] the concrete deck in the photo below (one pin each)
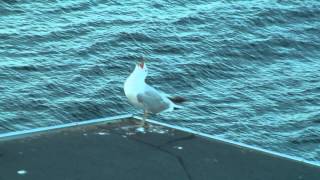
(114, 150)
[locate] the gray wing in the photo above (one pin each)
(153, 101)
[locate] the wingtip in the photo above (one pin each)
(177, 99)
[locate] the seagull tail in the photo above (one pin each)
(177, 99)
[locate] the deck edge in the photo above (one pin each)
(234, 143)
(14, 134)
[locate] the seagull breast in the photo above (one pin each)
(134, 85)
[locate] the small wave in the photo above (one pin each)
(59, 89)
(82, 110)
(92, 71)
(158, 5)
(306, 141)
(308, 136)
(135, 36)
(317, 121)
(125, 22)
(24, 68)
(190, 20)
(7, 36)
(216, 70)
(66, 33)
(11, 11)
(39, 67)
(315, 118)
(282, 16)
(169, 49)
(69, 8)
(25, 104)
(96, 47)
(10, 1)
(104, 45)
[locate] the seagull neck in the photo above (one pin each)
(137, 78)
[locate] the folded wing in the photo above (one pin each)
(153, 101)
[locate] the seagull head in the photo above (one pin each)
(141, 69)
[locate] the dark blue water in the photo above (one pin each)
(250, 69)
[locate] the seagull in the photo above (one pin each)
(144, 96)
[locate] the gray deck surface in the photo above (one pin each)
(117, 151)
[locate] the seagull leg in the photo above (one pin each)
(145, 114)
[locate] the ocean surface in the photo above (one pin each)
(249, 69)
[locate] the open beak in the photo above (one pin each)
(141, 63)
